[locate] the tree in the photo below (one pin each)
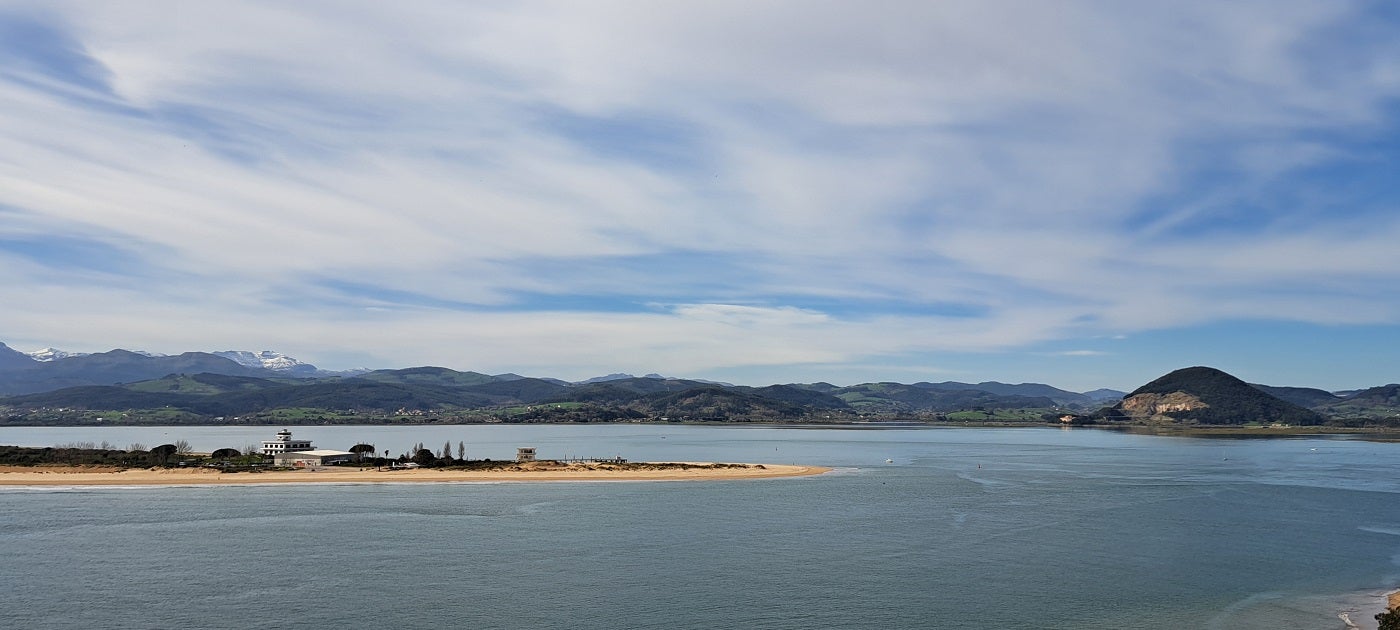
(423, 457)
(447, 450)
(225, 453)
(182, 447)
(360, 449)
(461, 450)
(1389, 620)
(161, 454)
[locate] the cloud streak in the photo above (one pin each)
(708, 188)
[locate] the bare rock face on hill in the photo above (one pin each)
(1203, 395)
(1157, 405)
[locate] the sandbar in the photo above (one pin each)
(539, 471)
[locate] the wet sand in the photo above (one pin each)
(539, 471)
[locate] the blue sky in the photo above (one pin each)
(1084, 194)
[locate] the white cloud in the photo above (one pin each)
(1051, 169)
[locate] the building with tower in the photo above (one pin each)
(285, 444)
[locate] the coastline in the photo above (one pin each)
(1362, 614)
(77, 476)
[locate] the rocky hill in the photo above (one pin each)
(1203, 395)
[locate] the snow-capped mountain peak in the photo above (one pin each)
(267, 359)
(53, 354)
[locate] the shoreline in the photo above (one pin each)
(1373, 604)
(990, 423)
(77, 476)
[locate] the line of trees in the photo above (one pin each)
(179, 452)
(163, 455)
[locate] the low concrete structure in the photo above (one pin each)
(312, 458)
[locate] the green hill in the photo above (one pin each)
(1204, 395)
(428, 376)
(234, 396)
(719, 403)
(1373, 406)
(900, 398)
(204, 384)
(1025, 390)
(1309, 397)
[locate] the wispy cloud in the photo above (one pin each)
(701, 187)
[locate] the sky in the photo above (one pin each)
(1085, 194)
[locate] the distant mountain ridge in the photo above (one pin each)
(1100, 395)
(53, 354)
(619, 376)
(1302, 396)
(435, 391)
(1030, 390)
(267, 360)
(241, 382)
(1365, 404)
(115, 366)
(11, 359)
(272, 363)
(900, 398)
(51, 368)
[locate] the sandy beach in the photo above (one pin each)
(539, 471)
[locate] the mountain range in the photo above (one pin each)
(272, 387)
(238, 383)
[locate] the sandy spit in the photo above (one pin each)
(78, 476)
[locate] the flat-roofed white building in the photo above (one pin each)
(285, 444)
(318, 457)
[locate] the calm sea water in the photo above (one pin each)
(965, 528)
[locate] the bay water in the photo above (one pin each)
(916, 527)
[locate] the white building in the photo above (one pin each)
(525, 454)
(312, 458)
(285, 444)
